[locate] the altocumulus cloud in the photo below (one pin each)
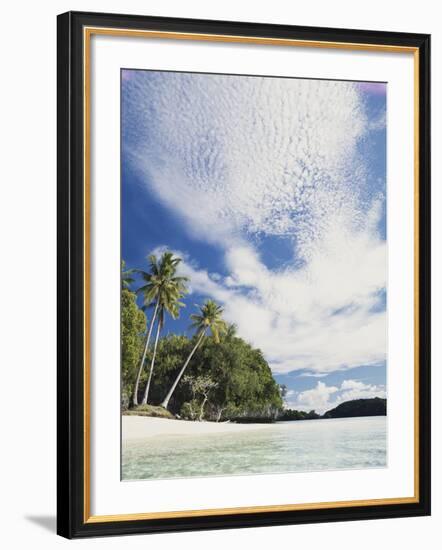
(239, 159)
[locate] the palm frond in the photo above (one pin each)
(162, 284)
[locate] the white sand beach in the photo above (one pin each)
(140, 427)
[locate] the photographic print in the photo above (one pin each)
(243, 274)
(254, 275)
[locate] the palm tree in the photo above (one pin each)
(170, 304)
(126, 275)
(162, 286)
(210, 317)
(231, 331)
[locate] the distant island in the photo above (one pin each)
(359, 407)
(375, 406)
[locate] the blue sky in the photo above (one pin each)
(273, 192)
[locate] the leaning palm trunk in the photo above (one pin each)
(203, 404)
(219, 413)
(152, 363)
(140, 369)
(165, 403)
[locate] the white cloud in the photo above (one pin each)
(239, 158)
(246, 154)
(295, 316)
(379, 123)
(322, 397)
(317, 398)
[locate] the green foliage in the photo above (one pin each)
(200, 385)
(225, 377)
(162, 284)
(133, 325)
(210, 317)
(190, 410)
(290, 414)
(149, 410)
(126, 275)
(201, 388)
(245, 388)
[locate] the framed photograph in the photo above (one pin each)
(243, 274)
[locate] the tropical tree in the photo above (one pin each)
(126, 275)
(209, 318)
(202, 386)
(163, 288)
(133, 327)
(168, 303)
(245, 384)
(231, 331)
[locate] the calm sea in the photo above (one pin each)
(300, 446)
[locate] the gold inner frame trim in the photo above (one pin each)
(134, 33)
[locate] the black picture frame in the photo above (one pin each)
(71, 391)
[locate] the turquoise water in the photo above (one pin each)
(300, 446)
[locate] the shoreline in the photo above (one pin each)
(142, 427)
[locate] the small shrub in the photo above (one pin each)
(125, 400)
(149, 410)
(190, 410)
